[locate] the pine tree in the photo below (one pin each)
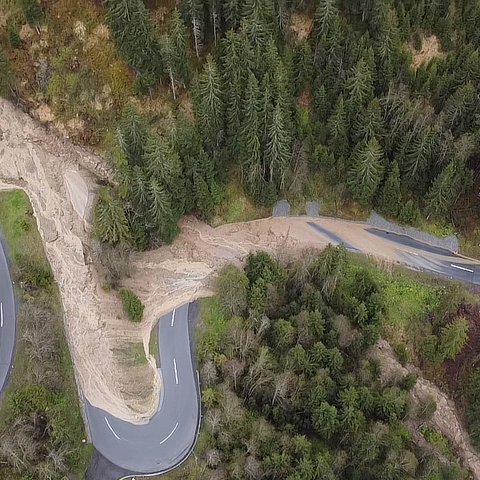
(453, 338)
(235, 64)
(325, 15)
(278, 152)
(369, 123)
(360, 87)
(446, 189)
(132, 135)
(391, 197)
(174, 52)
(111, 223)
(193, 13)
(134, 35)
(321, 103)
(232, 10)
(337, 125)
(209, 107)
(214, 8)
(366, 172)
(418, 154)
(250, 145)
(303, 62)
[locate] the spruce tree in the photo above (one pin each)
(325, 15)
(303, 64)
(134, 35)
(209, 107)
(194, 14)
(250, 144)
(369, 123)
(132, 135)
(366, 172)
(446, 189)
(338, 130)
(278, 150)
(321, 103)
(174, 52)
(111, 223)
(390, 200)
(453, 338)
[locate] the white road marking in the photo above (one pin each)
(111, 429)
(173, 318)
(461, 268)
(1, 314)
(170, 434)
(175, 368)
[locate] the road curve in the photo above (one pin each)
(7, 320)
(168, 438)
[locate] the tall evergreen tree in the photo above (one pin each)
(111, 223)
(250, 145)
(132, 135)
(194, 14)
(390, 200)
(209, 107)
(366, 172)
(338, 129)
(278, 152)
(325, 15)
(134, 35)
(446, 189)
(174, 52)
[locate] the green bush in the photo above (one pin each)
(132, 306)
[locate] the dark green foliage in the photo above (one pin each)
(366, 172)
(111, 224)
(132, 306)
(32, 11)
(134, 35)
(390, 201)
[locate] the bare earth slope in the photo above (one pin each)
(52, 172)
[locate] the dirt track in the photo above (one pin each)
(50, 170)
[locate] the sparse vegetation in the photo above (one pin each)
(41, 427)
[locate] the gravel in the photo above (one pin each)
(449, 243)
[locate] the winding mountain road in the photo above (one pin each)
(168, 438)
(7, 320)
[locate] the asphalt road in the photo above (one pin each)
(7, 320)
(419, 255)
(170, 435)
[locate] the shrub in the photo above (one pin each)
(132, 306)
(232, 285)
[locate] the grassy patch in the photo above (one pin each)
(132, 355)
(42, 382)
(407, 298)
(213, 324)
(436, 439)
(153, 344)
(237, 207)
